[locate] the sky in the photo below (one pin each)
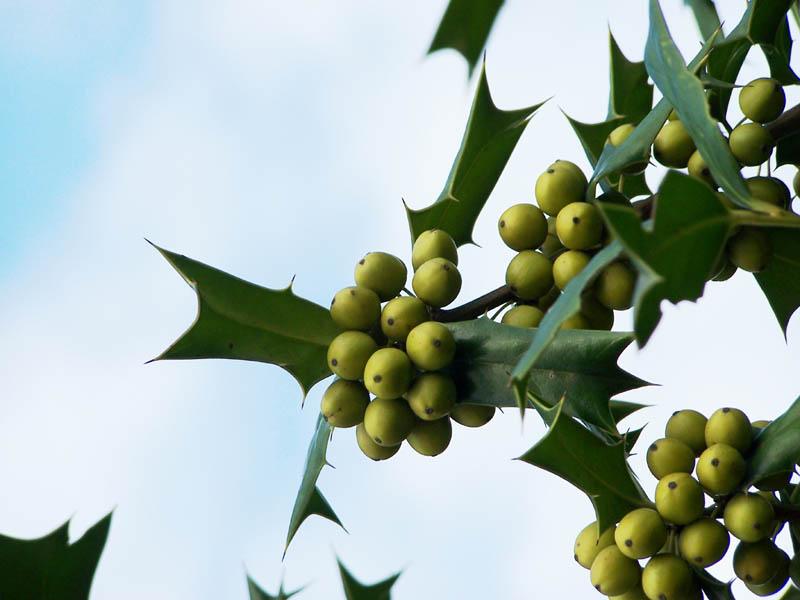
(277, 140)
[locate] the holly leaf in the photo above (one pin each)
(600, 470)
(51, 567)
(355, 590)
(705, 13)
(630, 94)
(310, 500)
(238, 319)
(580, 366)
(489, 139)
(677, 255)
(465, 28)
(779, 55)
(713, 588)
(777, 446)
(787, 150)
(780, 281)
(257, 593)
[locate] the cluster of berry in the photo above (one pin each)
(680, 532)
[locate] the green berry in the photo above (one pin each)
(704, 542)
(568, 265)
(431, 438)
(576, 321)
(383, 273)
(348, 354)
(762, 100)
(344, 403)
(431, 346)
(356, 307)
(640, 533)
(615, 285)
(635, 593)
(613, 573)
(434, 243)
(720, 469)
(529, 275)
(370, 448)
(555, 188)
(387, 373)
(523, 315)
(726, 269)
(669, 455)
(598, 315)
(551, 244)
(751, 144)
(775, 583)
(688, 426)
(698, 167)
(679, 498)
(750, 249)
(570, 167)
(729, 426)
(769, 189)
(755, 562)
(673, 145)
(432, 395)
(616, 138)
(666, 576)
(579, 226)
(437, 282)
(388, 421)
(472, 415)
(749, 517)
(588, 545)
(401, 315)
(523, 227)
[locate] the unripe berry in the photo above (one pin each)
(704, 542)
(388, 373)
(576, 321)
(796, 183)
(370, 448)
(756, 562)
(688, 426)
(431, 438)
(673, 145)
(720, 469)
(769, 189)
(472, 415)
(433, 243)
(749, 517)
(635, 593)
(729, 426)
(666, 576)
(750, 249)
(616, 138)
(598, 315)
(568, 265)
(794, 570)
(401, 315)
(579, 226)
(555, 188)
(431, 346)
(751, 144)
(551, 244)
(726, 269)
(523, 315)
(762, 100)
(570, 167)
(388, 421)
(640, 533)
(613, 573)
(588, 545)
(669, 455)
(437, 282)
(383, 273)
(698, 167)
(348, 354)
(529, 275)
(432, 395)
(343, 403)
(679, 498)
(523, 227)
(615, 285)
(355, 307)
(775, 583)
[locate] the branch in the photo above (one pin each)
(474, 308)
(785, 125)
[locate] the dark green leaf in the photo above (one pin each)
(310, 500)
(779, 55)
(713, 588)
(238, 319)
(762, 19)
(257, 593)
(621, 409)
(489, 139)
(355, 590)
(600, 470)
(465, 28)
(51, 567)
(630, 95)
(791, 593)
(705, 13)
(777, 447)
(787, 150)
(676, 257)
(724, 64)
(580, 366)
(780, 281)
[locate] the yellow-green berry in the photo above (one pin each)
(666, 576)
(432, 396)
(437, 282)
(729, 426)
(388, 421)
(751, 144)
(588, 544)
(400, 315)
(431, 346)
(669, 455)
(355, 307)
(615, 285)
(529, 275)
(568, 265)
(720, 469)
(348, 354)
(688, 426)
(613, 573)
(679, 498)
(704, 542)
(387, 373)
(523, 315)
(433, 243)
(750, 249)
(431, 438)
(370, 448)
(472, 415)
(383, 273)
(640, 533)
(673, 145)
(555, 188)
(579, 226)
(344, 403)
(762, 100)
(749, 517)
(523, 227)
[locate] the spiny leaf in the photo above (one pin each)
(600, 470)
(51, 567)
(489, 139)
(780, 281)
(465, 28)
(777, 447)
(310, 500)
(713, 588)
(630, 95)
(355, 590)
(238, 319)
(779, 55)
(677, 257)
(257, 593)
(705, 13)
(580, 366)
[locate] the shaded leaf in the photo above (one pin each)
(580, 366)
(355, 590)
(630, 94)
(257, 593)
(51, 567)
(713, 588)
(489, 139)
(465, 28)
(238, 319)
(791, 593)
(600, 470)
(779, 55)
(621, 409)
(787, 150)
(310, 500)
(780, 281)
(777, 447)
(705, 13)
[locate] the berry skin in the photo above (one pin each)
(749, 517)
(434, 243)
(529, 275)
(356, 307)
(729, 426)
(401, 315)
(344, 403)
(432, 396)
(588, 545)
(679, 498)
(431, 438)
(549, 298)
(688, 426)
(523, 315)
(720, 469)
(523, 227)
(383, 273)
(775, 583)
(669, 455)
(576, 321)
(388, 421)
(666, 576)
(619, 135)
(749, 249)
(555, 188)
(598, 315)
(568, 265)
(388, 373)
(348, 354)
(613, 573)
(370, 448)
(551, 245)
(437, 282)
(472, 415)
(640, 533)
(431, 346)
(769, 189)
(755, 563)
(751, 144)
(698, 167)
(762, 100)
(673, 145)
(571, 167)
(726, 269)
(615, 285)
(579, 226)
(704, 542)
(635, 593)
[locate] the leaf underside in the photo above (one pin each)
(355, 590)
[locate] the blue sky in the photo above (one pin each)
(274, 140)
